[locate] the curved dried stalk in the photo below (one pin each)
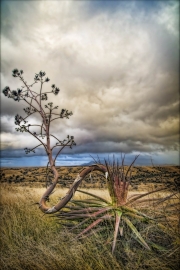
(118, 183)
(62, 203)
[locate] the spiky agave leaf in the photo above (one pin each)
(71, 215)
(87, 203)
(131, 165)
(79, 224)
(117, 222)
(110, 183)
(93, 224)
(139, 202)
(135, 211)
(93, 195)
(135, 231)
(78, 211)
(158, 247)
(136, 197)
(118, 180)
(135, 216)
(95, 232)
(167, 197)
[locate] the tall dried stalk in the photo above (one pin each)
(47, 113)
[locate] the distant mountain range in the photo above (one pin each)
(93, 163)
(88, 164)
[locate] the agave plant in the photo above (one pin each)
(86, 215)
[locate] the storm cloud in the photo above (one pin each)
(116, 65)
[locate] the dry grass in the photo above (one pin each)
(32, 241)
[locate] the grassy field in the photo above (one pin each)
(30, 240)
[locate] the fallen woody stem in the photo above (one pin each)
(71, 191)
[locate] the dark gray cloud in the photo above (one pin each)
(117, 69)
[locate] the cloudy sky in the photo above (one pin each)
(116, 63)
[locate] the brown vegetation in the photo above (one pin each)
(142, 177)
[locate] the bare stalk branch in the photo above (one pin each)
(34, 100)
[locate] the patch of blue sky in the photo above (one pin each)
(147, 6)
(160, 158)
(36, 161)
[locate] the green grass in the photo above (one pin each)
(30, 240)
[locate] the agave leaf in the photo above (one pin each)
(67, 225)
(167, 198)
(145, 194)
(133, 195)
(80, 224)
(93, 232)
(131, 166)
(76, 208)
(158, 247)
(156, 201)
(70, 215)
(110, 183)
(102, 210)
(122, 158)
(133, 210)
(135, 231)
(93, 224)
(76, 217)
(137, 216)
(165, 229)
(147, 200)
(118, 219)
(87, 203)
(80, 211)
(114, 168)
(93, 195)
